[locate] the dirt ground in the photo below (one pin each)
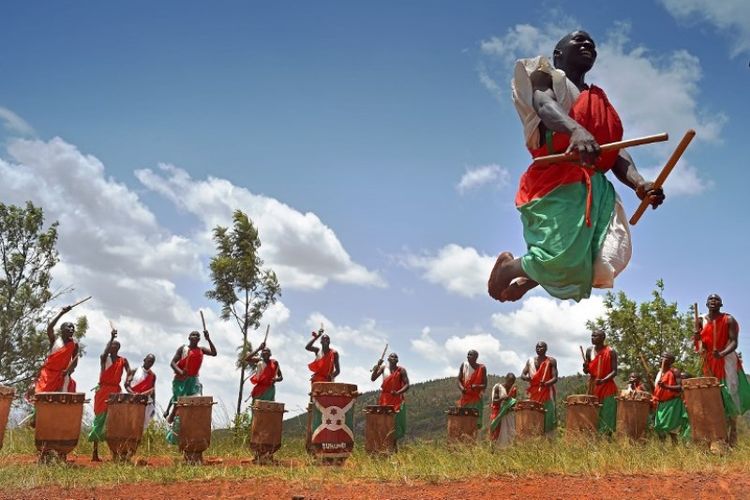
(681, 485)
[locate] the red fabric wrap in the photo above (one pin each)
(713, 367)
(660, 393)
(472, 395)
(322, 367)
(537, 391)
(392, 382)
(109, 383)
(264, 380)
(52, 374)
(191, 364)
(600, 367)
(146, 384)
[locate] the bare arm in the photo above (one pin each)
(525, 373)
(624, 169)
(211, 351)
(405, 380)
(678, 383)
(73, 361)
(336, 368)
(279, 376)
(176, 359)
(252, 356)
(612, 374)
(587, 361)
(461, 378)
(553, 367)
(310, 347)
(103, 356)
(51, 325)
(733, 331)
(377, 371)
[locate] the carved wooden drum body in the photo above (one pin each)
(265, 431)
(6, 398)
(462, 424)
(582, 414)
(58, 421)
(529, 417)
(380, 429)
(195, 426)
(125, 416)
(705, 409)
(332, 420)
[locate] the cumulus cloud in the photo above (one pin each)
(14, 123)
(685, 181)
(731, 18)
(484, 175)
(304, 252)
(461, 270)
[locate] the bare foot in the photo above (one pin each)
(499, 277)
(517, 289)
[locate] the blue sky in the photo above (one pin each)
(345, 129)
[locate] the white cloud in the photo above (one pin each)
(304, 252)
(460, 270)
(477, 177)
(730, 17)
(684, 180)
(14, 123)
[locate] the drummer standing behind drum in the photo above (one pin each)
(325, 368)
(186, 365)
(716, 337)
(143, 381)
(502, 419)
(392, 390)
(541, 374)
(601, 366)
(266, 373)
(472, 380)
(671, 415)
(61, 360)
(112, 368)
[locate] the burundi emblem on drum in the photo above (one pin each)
(333, 419)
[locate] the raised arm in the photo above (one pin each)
(103, 356)
(310, 347)
(51, 325)
(377, 370)
(251, 358)
(211, 351)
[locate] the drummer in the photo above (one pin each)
(112, 368)
(716, 337)
(502, 419)
(143, 381)
(635, 385)
(266, 372)
(601, 366)
(472, 381)
(62, 358)
(671, 414)
(392, 390)
(541, 374)
(325, 367)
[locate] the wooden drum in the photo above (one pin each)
(705, 409)
(462, 424)
(265, 431)
(632, 415)
(194, 430)
(58, 422)
(332, 423)
(380, 429)
(6, 398)
(125, 416)
(529, 419)
(582, 414)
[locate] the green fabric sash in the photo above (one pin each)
(550, 416)
(98, 428)
(401, 421)
(507, 405)
(479, 405)
(608, 415)
(670, 415)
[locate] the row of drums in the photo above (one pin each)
(702, 397)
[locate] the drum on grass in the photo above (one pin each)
(194, 431)
(380, 429)
(582, 414)
(632, 415)
(332, 420)
(6, 398)
(58, 422)
(705, 409)
(529, 417)
(265, 430)
(124, 425)
(462, 425)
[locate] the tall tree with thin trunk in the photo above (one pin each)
(241, 285)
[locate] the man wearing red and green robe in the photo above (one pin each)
(472, 381)
(143, 381)
(601, 366)
(502, 419)
(325, 367)
(392, 390)
(112, 368)
(266, 373)
(186, 365)
(541, 374)
(575, 228)
(61, 360)
(671, 415)
(716, 338)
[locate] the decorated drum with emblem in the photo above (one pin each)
(332, 426)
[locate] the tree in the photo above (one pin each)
(27, 254)
(640, 333)
(243, 288)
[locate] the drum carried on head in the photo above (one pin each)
(125, 415)
(462, 424)
(6, 398)
(582, 414)
(58, 422)
(529, 417)
(380, 429)
(332, 420)
(265, 430)
(194, 431)
(705, 409)
(632, 415)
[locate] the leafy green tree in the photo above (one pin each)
(27, 256)
(641, 332)
(243, 288)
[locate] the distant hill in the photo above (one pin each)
(427, 403)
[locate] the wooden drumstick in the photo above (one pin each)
(659, 182)
(573, 155)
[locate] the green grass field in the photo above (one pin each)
(424, 460)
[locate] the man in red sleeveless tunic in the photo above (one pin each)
(716, 338)
(576, 232)
(61, 360)
(392, 390)
(325, 368)
(143, 381)
(601, 366)
(472, 381)
(541, 374)
(186, 365)
(671, 415)
(113, 367)
(266, 373)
